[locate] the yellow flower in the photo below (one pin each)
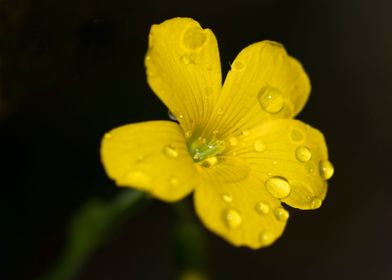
(236, 146)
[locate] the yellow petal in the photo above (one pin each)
(150, 156)
(183, 69)
(264, 83)
(291, 160)
(242, 212)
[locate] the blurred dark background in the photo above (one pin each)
(71, 70)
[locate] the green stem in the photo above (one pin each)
(90, 228)
(190, 244)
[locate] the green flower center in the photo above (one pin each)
(206, 152)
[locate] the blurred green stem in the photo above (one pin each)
(190, 245)
(90, 227)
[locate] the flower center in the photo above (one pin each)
(206, 152)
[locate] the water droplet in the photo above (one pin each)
(233, 141)
(296, 135)
(148, 58)
(188, 134)
(281, 214)
(232, 218)
(326, 169)
(137, 177)
(220, 111)
(278, 187)
(226, 197)
(310, 167)
(238, 65)
(170, 151)
(316, 202)
(194, 38)
(271, 99)
(260, 146)
(185, 60)
(303, 154)
(266, 238)
(262, 208)
(181, 116)
(173, 181)
(209, 162)
(107, 136)
(245, 132)
(274, 162)
(171, 116)
(215, 132)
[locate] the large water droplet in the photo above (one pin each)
(170, 151)
(316, 202)
(266, 238)
(262, 208)
(171, 116)
(194, 38)
(226, 197)
(303, 154)
(326, 169)
(281, 214)
(278, 187)
(271, 99)
(260, 146)
(232, 218)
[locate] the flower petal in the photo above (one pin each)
(241, 212)
(183, 69)
(264, 83)
(291, 160)
(150, 156)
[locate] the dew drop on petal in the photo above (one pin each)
(194, 38)
(238, 65)
(185, 60)
(137, 177)
(226, 197)
(232, 218)
(303, 153)
(278, 187)
(233, 141)
(326, 169)
(271, 99)
(209, 162)
(170, 151)
(266, 238)
(262, 208)
(260, 146)
(316, 202)
(220, 111)
(107, 135)
(188, 134)
(281, 214)
(173, 181)
(310, 167)
(296, 135)
(245, 132)
(171, 116)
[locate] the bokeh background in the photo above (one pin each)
(71, 70)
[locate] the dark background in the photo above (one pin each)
(71, 70)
